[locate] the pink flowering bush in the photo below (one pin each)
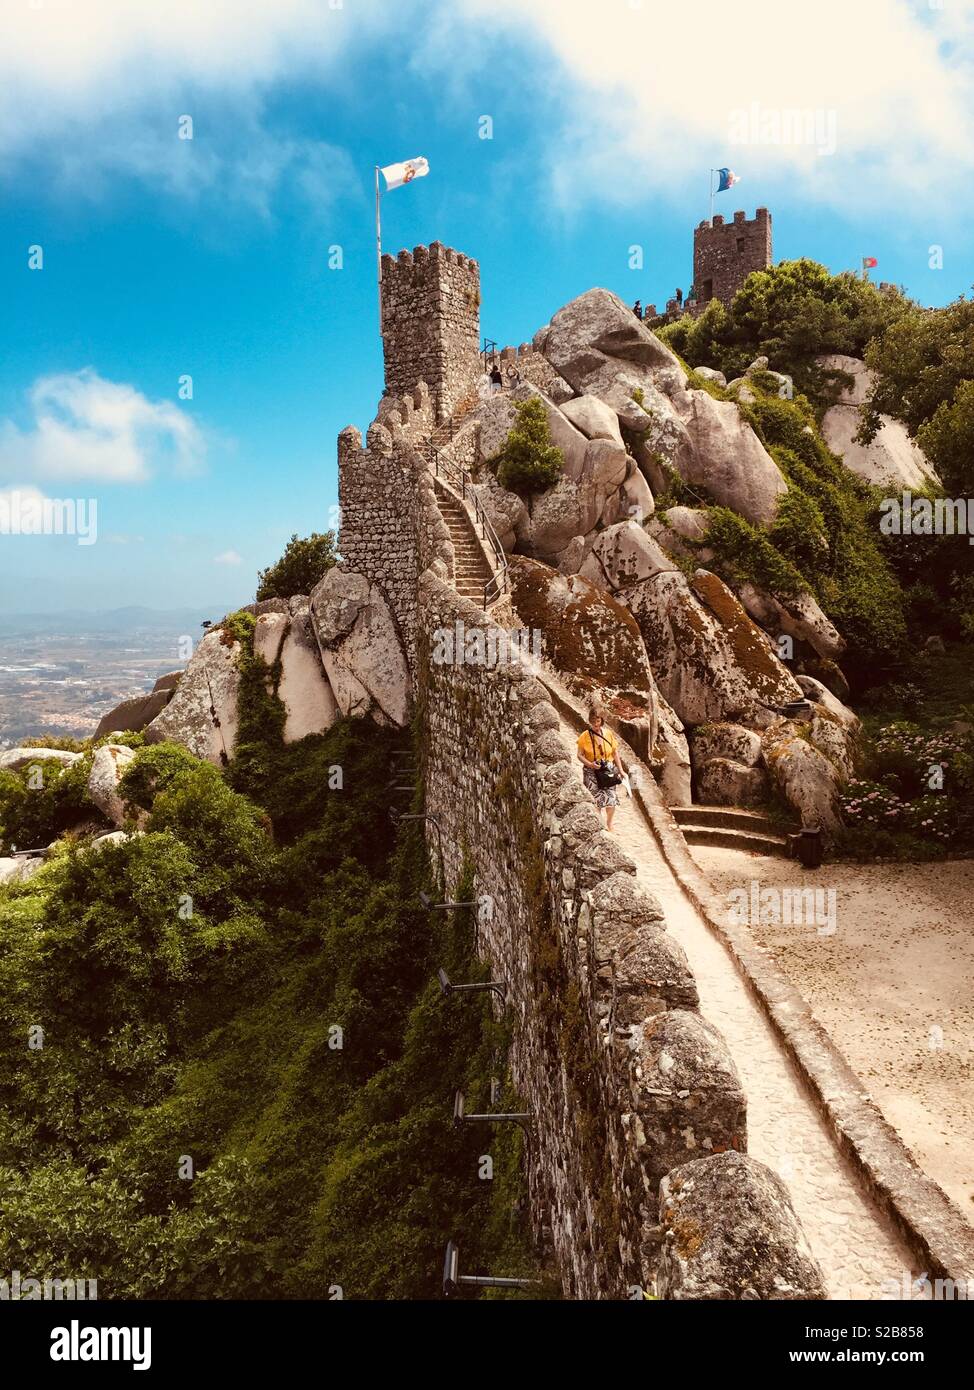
(918, 802)
(872, 804)
(915, 757)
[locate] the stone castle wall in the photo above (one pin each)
(725, 254)
(379, 505)
(431, 323)
(623, 1077)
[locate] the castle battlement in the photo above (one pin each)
(431, 323)
(726, 253)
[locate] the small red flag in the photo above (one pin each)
(869, 262)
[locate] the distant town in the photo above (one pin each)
(60, 672)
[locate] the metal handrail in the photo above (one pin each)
(459, 479)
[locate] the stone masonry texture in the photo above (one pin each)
(725, 254)
(431, 323)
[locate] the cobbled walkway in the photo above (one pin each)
(860, 1254)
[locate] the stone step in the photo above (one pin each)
(747, 840)
(729, 817)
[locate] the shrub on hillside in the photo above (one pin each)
(211, 1033)
(529, 462)
(791, 314)
(152, 770)
(947, 439)
(40, 802)
(304, 562)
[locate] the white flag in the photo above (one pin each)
(396, 175)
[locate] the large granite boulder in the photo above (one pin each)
(498, 414)
(689, 523)
(269, 633)
(16, 759)
(603, 350)
(507, 511)
(725, 741)
(730, 1232)
(309, 703)
(671, 755)
(724, 782)
(622, 555)
(20, 868)
(202, 714)
(559, 514)
(804, 776)
(727, 458)
(131, 716)
(107, 769)
(726, 759)
(636, 495)
(892, 459)
(798, 616)
(587, 633)
(711, 662)
(360, 647)
(675, 543)
(591, 336)
(821, 695)
(594, 418)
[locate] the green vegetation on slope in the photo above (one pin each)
(925, 377)
(823, 538)
(791, 314)
(246, 993)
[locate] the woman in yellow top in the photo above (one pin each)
(597, 748)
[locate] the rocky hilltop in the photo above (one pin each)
(733, 687)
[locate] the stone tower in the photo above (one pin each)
(431, 323)
(725, 254)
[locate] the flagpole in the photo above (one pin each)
(711, 197)
(378, 246)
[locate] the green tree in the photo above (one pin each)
(299, 569)
(791, 314)
(529, 462)
(924, 365)
(948, 439)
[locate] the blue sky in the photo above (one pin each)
(210, 257)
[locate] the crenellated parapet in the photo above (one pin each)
(431, 323)
(726, 253)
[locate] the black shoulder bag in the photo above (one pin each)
(606, 772)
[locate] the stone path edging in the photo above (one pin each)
(920, 1210)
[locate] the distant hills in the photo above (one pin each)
(132, 618)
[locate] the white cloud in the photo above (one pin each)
(646, 91)
(85, 427)
(92, 46)
(94, 91)
(228, 557)
(654, 89)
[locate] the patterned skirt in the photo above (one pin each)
(604, 796)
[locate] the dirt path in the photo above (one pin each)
(860, 1255)
(893, 987)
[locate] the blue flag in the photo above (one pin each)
(727, 180)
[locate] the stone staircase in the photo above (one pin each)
(730, 828)
(443, 434)
(472, 571)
